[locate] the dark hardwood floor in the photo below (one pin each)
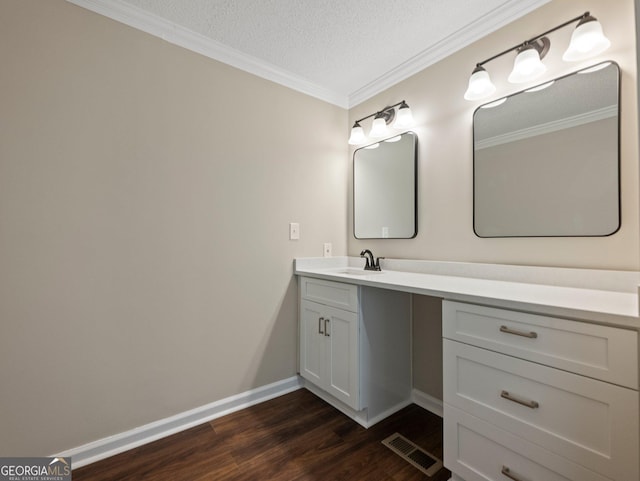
(294, 437)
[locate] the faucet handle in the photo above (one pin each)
(377, 264)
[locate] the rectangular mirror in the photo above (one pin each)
(384, 189)
(546, 160)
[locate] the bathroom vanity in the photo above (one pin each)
(354, 347)
(540, 365)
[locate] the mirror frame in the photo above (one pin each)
(618, 163)
(415, 187)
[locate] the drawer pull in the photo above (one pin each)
(507, 472)
(510, 397)
(326, 328)
(320, 320)
(508, 330)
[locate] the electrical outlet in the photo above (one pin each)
(327, 249)
(294, 231)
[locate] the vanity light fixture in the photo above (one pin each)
(480, 84)
(528, 64)
(357, 135)
(404, 117)
(587, 41)
(380, 126)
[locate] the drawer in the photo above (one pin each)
(589, 422)
(329, 293)
(478, 451)
(601, 352)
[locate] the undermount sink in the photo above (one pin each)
(352, 271)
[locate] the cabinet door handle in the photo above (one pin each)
(508, 330)
(326, 328)
(507, 472)
(515, 399)
(320, 319)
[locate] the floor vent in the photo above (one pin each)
(413, 454)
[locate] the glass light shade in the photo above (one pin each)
(587, 40)
(404, 117)
(378, 128)
(527, 66)
(357, 135)
(480, 85)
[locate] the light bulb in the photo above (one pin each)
(357, 135)
(527, 66)
(404, 117)
(587, 40)
(378, 128)
(480, 85)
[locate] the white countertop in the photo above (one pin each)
(607, 297)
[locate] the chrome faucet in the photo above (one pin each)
(370, 264)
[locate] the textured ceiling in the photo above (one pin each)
(338, 45)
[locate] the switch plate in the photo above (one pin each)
(294, 231)
(326, 251)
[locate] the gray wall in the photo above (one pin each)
(427, 345)
(145, 196)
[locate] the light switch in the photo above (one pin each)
(294, 231)
(327, 249)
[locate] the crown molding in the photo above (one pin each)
(175, 34)
(472, 32)
(183, 37)
(549, 127)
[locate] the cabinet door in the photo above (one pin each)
(342, 356)
(312, 342)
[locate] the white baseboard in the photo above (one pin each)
(388, 412)
(118, 443)
(357, 416)
(427, 402)
(361, 417)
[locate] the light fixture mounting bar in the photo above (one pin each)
(389, 107)
(533, 39)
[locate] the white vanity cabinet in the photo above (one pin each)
(329, 348)
(355, 347)
(530, 397)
